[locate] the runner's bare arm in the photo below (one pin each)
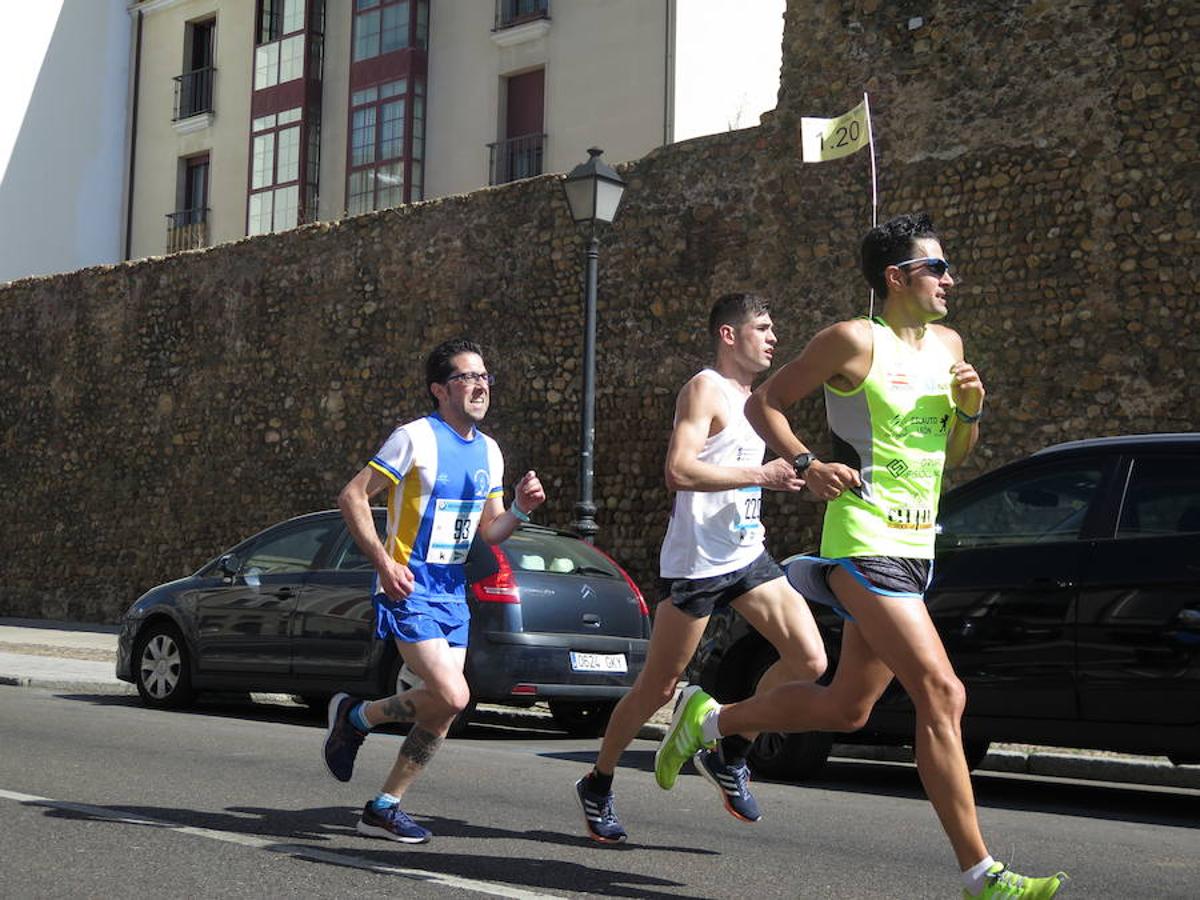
(839, 354)
(395, 579)
(497, 523)
(698, 412)
(967, 390)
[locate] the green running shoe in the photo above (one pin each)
(683, 738)
(1003, 882)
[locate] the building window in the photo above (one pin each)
(279, 62)
(194, 88)
(516, 12)
(187, 227)
(380, 145)
(384, 26)
(275, 172)
(521, 153)
(277, 18)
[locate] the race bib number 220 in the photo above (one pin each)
(749, 514)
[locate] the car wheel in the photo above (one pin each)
(162, 667)
(790, 757)
(582, 719)
(787, 757)
(975, 752)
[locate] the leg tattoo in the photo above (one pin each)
(420, 745)
(397, 710)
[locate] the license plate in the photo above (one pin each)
(598, 662)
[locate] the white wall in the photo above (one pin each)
(64, 65)
(727, 60)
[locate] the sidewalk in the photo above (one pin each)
(76, 657)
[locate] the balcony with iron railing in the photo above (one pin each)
(515, 158)
(518, 12)
(187, 229)
(194, 93)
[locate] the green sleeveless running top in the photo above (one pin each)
(892, 428)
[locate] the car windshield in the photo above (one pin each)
(532, 551)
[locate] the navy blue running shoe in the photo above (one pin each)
(342, 739)
(391, 823)
(598, 814)
(732, 782)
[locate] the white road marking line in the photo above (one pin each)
(299, 850)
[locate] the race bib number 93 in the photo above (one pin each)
(454, 524)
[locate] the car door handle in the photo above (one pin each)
(285, 592)
(591, 620)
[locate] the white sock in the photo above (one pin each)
(973, 877)
(710, 728)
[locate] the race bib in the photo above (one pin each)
(454, 524)
(749, 513)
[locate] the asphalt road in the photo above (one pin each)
(101, 796)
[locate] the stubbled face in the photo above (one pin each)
(463, 401)
(922, 288)
(754, 343)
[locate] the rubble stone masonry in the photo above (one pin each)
(153, 412)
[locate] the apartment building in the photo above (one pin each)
(255, 116)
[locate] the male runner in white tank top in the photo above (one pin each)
(713, 556)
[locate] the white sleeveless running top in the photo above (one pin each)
(715, 532)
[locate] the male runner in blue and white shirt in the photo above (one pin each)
(445, 483)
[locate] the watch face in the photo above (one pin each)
(802, 462)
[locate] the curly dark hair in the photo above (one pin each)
(438, 365)
(892, 242)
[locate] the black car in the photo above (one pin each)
(289, 610)
(1067, 591)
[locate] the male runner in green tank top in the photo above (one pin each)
(902, 404)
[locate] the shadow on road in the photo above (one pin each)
(278, 830)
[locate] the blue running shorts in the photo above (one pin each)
(887, 576)
(412, 620)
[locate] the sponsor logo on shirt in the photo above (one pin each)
(914, 423)
(914, 518)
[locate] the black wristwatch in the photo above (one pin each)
(802, 462)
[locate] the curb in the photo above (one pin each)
(67, 684)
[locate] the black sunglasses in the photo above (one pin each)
(936, 266)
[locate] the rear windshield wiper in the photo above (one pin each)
(592, 570)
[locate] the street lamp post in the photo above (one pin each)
(593, 192)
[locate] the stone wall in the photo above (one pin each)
(154, 412)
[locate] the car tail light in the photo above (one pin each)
(500, 587)
(525, 690)
(637, 592)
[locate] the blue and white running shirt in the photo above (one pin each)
(440, 483)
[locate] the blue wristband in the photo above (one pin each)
(970, 420)
(519, 513)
